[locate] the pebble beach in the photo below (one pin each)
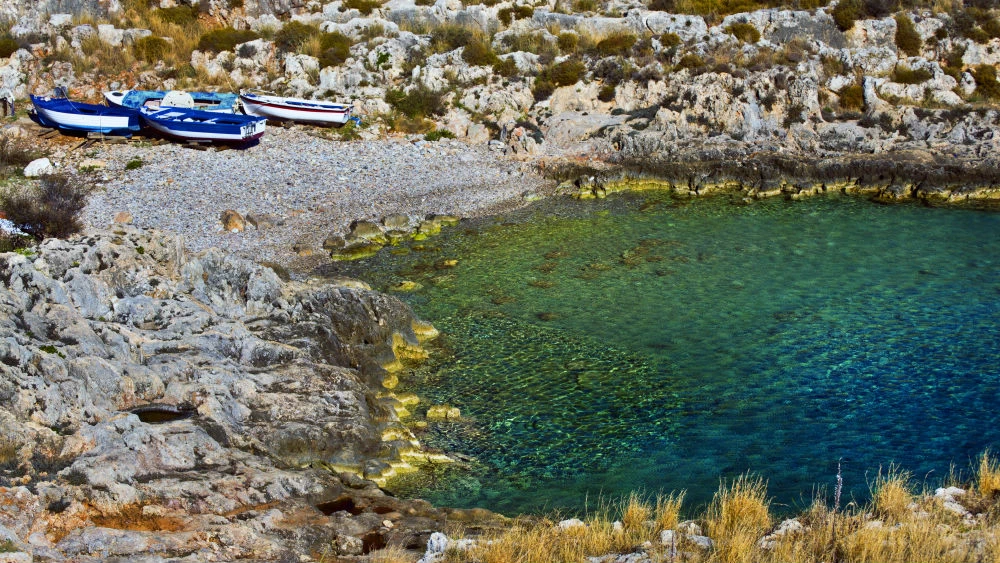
(300, 186)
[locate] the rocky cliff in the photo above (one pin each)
(160, 404)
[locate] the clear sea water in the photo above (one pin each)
(657, 344)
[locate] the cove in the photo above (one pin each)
(649, 343)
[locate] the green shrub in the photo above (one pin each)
(225, 39)
(290, 37)
(424, 2)
(505, 67)
(606, 93)
(366, 7)
(690, 60)
(745, 32)
(852, 97)
(133, 164)
(419, 103)
(449, 37)
(907, 38)
(992, 28)
(508, 15)
(180, 15)
(51, 210)
(8, 47)
(14, 152)
(542, 88)
(986, 81)
(614, 44)
(151, 48)
(905, 75)
(670, 40)
(584, 5)
(438, 134)
(846, 12)
(568, 41)
(566, 73)
(336, 48)
(479, 53)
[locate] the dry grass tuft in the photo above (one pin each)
(892, 494)
(391, 554)
(738, 517)
(988, 476)
(667, 511)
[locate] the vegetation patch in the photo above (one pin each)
(293, 35)
(52, 209)
(905, 75)
(614, 44)
(133, 164)
(509, 15)
(366, 7)
(335, 49)
(177, 15)
(8, 46)
(745, 32)
(986, 81)
(479, 53)
(151, 48)
(418, 103)
(907, 38)
(852, 97)
(225, 39)
(565, 73)
(438, 134)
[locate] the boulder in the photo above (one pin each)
(39, 167)
(123, 218)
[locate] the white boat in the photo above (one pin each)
(295, 109)
(205, 101)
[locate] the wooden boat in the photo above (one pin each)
(69, 116)
(197, 125)
(295, 109)
(206, 101)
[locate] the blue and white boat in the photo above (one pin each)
(77, 117)
(197, 125)
(205, 101)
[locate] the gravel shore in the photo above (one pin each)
(312, 186)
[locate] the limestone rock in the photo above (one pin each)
(232, 221)
(123, 218)
(39, 167)
(443, 412)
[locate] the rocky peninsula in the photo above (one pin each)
(174, 384)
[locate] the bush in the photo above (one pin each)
(907, 38)
(611, 70)
(366, 7)
(614, 44)
(151, 48)
(670, 40)
(8, 47)
(290, 37)
(179, 15)
(566, 73)
(15, 153)
(449, 37)
(852, 97)
(745, 32)
(508, 15)
(51, 210)
(418, 103)
(606, 93)
(904, 75)
(846, 12)
(542, 88)
(662, 5)
(986, 81)
(690, 60)
(479, 53)
(336, 48)
(505, 67)
(568, 41)
(225, 39)
(438, 134)
(133, 164)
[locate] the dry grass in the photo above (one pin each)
(988, 478)
(892, 494)
(391, 554)
(737, 518)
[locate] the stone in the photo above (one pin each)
(92, 164)
(123, 218)
(368, 231)
(571, 523)
(397, 222)
(262, 221)
(232, 221)
(443, 412)
(39, 167)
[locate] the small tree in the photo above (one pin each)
(50, 210)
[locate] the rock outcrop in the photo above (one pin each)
(157, 402)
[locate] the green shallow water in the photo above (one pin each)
(646, 343)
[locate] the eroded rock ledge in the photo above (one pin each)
(158, 404)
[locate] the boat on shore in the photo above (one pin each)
(205, 101)
(295, 109)
(198, 125)
(78, 117)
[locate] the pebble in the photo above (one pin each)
(184, 191)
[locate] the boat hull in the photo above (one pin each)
(196, 125)
(84, 118)
(294, 109)
(137, 99)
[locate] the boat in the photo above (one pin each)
(294, 109)
(206, 101)
(77, 117)
(198, 125)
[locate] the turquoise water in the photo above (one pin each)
(646, 343)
